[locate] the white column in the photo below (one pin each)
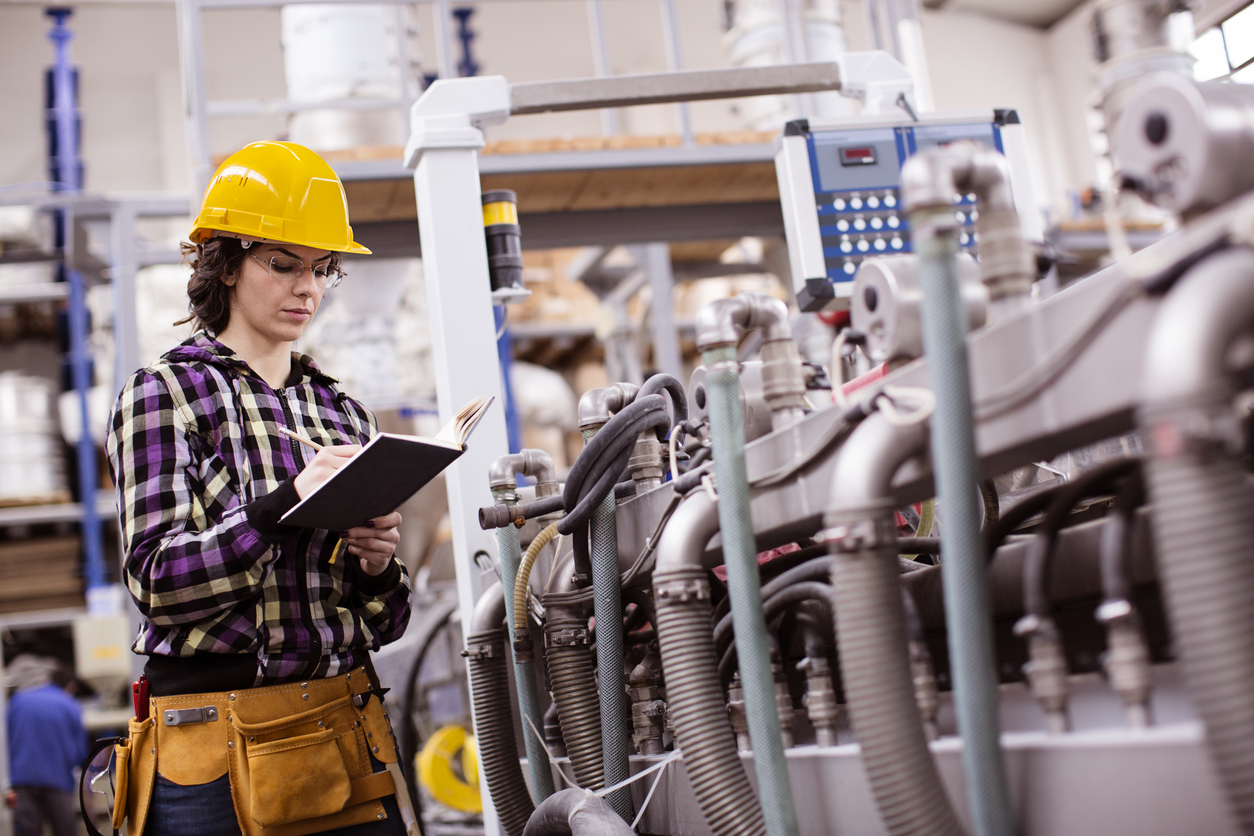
(444, 153)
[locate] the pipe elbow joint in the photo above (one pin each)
(597, 405)
(489, 611)
(504, 471)
(724, 321)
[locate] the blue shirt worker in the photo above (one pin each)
(46, 745)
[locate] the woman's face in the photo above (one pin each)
(269, 302)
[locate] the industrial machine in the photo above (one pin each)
(732, 616)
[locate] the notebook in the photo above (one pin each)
(388, 470)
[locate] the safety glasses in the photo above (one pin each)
(97, 785)
(290, 269)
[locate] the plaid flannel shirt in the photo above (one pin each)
(202, 478)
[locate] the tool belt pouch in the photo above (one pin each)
(299, 758)
(135, 771)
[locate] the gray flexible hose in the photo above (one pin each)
(744, 588)
(494, 718)
(871, 632)
(524, 672)
(576, 813)
(697, 703)
(612, 689)
(568, 655)
(967, 615)
(1204, 531)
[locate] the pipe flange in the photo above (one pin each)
(682, 591)
(567, 637)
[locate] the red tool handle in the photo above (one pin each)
(139, 690)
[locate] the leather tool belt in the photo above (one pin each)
(298, 755)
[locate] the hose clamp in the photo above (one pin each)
(681, 591)
(484, 651)
(567, 637)
(860, 535)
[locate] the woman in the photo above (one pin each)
(262, 716)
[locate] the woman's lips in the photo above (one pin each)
(298, 313)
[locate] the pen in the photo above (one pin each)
(298, 437)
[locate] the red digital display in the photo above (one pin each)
(864, 155)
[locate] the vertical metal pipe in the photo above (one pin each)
(122, 285)
(675, 60)
(611, 686)
(443, 39)
(666, 357)
(524, 672)
(966, 593)
(601, 61)
(744, 587)
(192, 56)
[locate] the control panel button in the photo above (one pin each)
(842, 225)
(855, 203)
(863, 245)
(873, 202)
(893, 222)
(847, 247)
(850, 267)
(859, 224)
(880, 244)
(877, 223)
(890, 200)
(838, 204)
(896, 243)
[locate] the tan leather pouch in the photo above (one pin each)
(299, 759)
(191, 753)
(297, 778)
(122, 752)
(139, 774)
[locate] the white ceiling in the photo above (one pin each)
(1042, 13)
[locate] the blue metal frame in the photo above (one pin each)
(65, 111)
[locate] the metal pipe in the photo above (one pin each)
(739, 548)
(697, 704)
(929, 181)
(494, 719)
(871, 630)
(568, 655)
(607, 608)
(576, 813)
(1202, 495)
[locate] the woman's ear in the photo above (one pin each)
(231, 278)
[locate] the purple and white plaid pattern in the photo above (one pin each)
(193, 439)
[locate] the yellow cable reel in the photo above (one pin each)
(436, 774)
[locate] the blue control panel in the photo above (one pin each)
(854, 184)
(857, 189)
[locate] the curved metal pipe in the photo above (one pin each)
(576, 813)
(871, 630)
(597, 405)
(504, 470)
(724, 321)
(695, 698)
(1202, 498)
(494, 719)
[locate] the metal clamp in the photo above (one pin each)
(190, 716)
(567, 637)
(682, 591)
(483, 651)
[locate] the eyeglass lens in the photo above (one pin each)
(284, 266)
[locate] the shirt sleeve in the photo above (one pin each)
(383, 600)
(181, 565)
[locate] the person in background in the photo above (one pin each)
(47, 745)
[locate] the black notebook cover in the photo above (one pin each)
(388, 470)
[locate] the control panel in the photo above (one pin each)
(840, 189)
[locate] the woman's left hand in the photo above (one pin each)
(374, 543)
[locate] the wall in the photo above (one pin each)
(134, 136)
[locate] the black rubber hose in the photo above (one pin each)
(818, 569)
(776, 604)
(494, 729)
(699, 458)
(773, 568)
(1039, 560)
(644, 605)
(599, 460)
(576, 813)
(1014, 517)
(407, 741)
(664, 382)
(1116, 546)
(692, 478)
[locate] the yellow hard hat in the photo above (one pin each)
(278, 191)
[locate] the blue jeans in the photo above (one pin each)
(207, 810)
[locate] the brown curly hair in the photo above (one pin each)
(208, 297)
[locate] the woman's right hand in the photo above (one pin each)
(323, 467)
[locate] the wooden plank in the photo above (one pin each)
(50, 602)
(41, 586)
